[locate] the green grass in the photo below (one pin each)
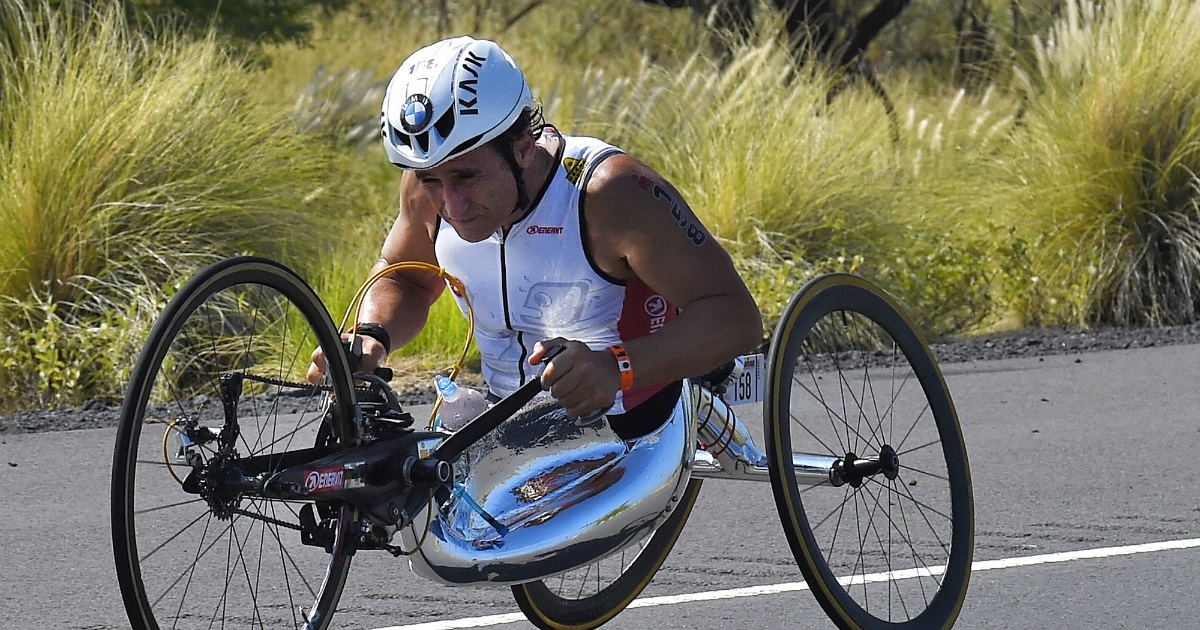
(1103, 173)
(768, 167)
(796, 186)
(126, 163)
(1063, 193)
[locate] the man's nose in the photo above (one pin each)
(455, 200)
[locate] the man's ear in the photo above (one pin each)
(524, 148)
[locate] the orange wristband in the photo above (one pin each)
(624, 365)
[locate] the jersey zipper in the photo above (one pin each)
(507, 311)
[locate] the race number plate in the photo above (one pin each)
(748, 386)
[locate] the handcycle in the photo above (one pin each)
(240, 495)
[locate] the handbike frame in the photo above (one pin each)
(369, 474)
(391, 480)
(732, 454)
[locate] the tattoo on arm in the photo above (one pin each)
(695, 232)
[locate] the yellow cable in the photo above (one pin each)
(167, 454)
(428, 521)
(355, 308)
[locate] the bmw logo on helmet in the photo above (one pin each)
(418, 111)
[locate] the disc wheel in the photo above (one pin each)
(590, 596)
(191, 550)
(888, 542)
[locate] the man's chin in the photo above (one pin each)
(471, 231)
(472, 236)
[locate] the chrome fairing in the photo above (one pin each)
(543, 494)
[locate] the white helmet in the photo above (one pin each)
(448, 98)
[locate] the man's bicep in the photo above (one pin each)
(661, 240)
(682, 271)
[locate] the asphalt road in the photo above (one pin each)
(1087, 503)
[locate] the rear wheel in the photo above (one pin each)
(590, 596)
(889, 542)
(192, 551)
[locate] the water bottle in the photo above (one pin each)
(460, 405)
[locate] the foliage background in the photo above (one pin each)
(1033, 163)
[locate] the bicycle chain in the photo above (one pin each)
(308, 387)
(266, 519)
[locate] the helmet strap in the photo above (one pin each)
(506, 152)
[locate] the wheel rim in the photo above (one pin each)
(590, 580)
(590, 596)
(892, 542)
(215, 558)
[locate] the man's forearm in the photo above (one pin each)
(702, 337)
(400, 306)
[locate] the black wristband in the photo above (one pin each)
(376, 332)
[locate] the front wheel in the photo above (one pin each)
(215, 385)
(590, 596)
(887, 539)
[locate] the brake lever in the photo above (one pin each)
(353, 351)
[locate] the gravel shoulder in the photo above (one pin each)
(1031, 342)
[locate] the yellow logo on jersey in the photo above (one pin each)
(575, 168)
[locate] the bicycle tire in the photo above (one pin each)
(904, 530)
(185, 560)
(566, 607)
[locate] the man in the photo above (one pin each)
(558, 240)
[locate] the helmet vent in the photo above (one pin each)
(466, 146)
(445, 124)
(399, 138)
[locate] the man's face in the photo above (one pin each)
(474, 192)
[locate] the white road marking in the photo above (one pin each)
(771, 589)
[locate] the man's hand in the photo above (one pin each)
(373, 356)
(583, 380)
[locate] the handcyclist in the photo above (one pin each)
(558, 239)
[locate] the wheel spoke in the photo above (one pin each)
(887, 421)
(219, 558)
(589, 596)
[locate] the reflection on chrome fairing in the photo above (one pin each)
(543, 494)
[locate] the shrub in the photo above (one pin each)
(795, 185)
(126, 162)
(1108, 157)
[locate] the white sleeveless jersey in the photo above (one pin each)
(538, 280)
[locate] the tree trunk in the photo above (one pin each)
(811, 25)
(869, 28)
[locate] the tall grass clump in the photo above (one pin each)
(1104, 176)
(950, 250)
(127, 162)
(796, 184)
(786, 182)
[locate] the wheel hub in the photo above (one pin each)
(889, 462)
(853, 470)
(214, 489)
